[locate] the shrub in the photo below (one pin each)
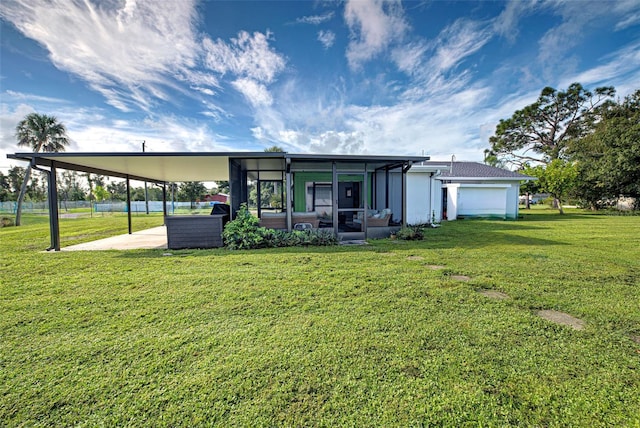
(297, 238)
(274, 238)
(6, 222)
(323, 237)
(244, 232)
(410, 233)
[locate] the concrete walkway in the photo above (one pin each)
(155, 238)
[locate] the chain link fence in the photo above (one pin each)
(10, 207)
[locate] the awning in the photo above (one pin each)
(199, 166)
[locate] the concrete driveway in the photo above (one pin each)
(155, 238)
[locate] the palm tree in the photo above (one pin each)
(41, 133)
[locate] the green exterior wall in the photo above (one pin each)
(301, 178)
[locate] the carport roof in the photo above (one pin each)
(192, 166)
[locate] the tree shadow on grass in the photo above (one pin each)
(559, 217)
(468, 234)
(222, 252)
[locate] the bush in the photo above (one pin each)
(297, 238)
(323, 237)
(244, 232)
(410, 233)
(6, 222)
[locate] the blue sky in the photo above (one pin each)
(344, 77)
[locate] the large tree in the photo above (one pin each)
(4, 188)
(541, 132)
(609, 159)
(192, 191)
(70, 187)
(274, 149)
(41, 133)
(530, 187)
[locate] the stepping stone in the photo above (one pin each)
(494, 294)
(561, 318)
(435, 267)
(460, 278)
(415, 258)
(635, 338)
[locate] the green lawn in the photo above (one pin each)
(342, 336)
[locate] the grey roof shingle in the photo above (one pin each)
(477, 170)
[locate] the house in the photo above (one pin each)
(452, 190)
(355, 196)
(217, 198)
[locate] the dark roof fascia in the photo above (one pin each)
(357, 158)
(391, 162)
(40, 161)
(520, 178)
(29, 156)
(233, 155)
(46, 159)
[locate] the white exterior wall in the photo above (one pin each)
(424, 195)
(452, 201)
(482, 200)
(474, 198)
(513, 196)
(419, 185)
(436, 199)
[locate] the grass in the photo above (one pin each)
(355, 336)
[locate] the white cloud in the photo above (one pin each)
(456, 42)
(246, 56)
(628, 21)
(579, 21)
(432, 63)
(256, 93)
(327, 38)
(90, 130)
(620, 69)
(9, 119)
(374, 25)
(127, 51)
(206, 91)
(506, 24)
(315, 19)
(409, 58)
(629, 13)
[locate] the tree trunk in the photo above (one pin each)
(23, 191)
(527, 203)
(558, 203)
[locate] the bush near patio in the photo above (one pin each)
(376, 335)
(411, 233)
(244, 233)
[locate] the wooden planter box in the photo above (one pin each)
(194, 231)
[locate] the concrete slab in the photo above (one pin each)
(154, 238)
(562, 318)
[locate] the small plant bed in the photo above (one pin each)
(410, 233)
(245, 233)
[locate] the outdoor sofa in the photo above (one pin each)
(374, 218)
(279, 220)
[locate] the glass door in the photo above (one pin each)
(351, 205)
